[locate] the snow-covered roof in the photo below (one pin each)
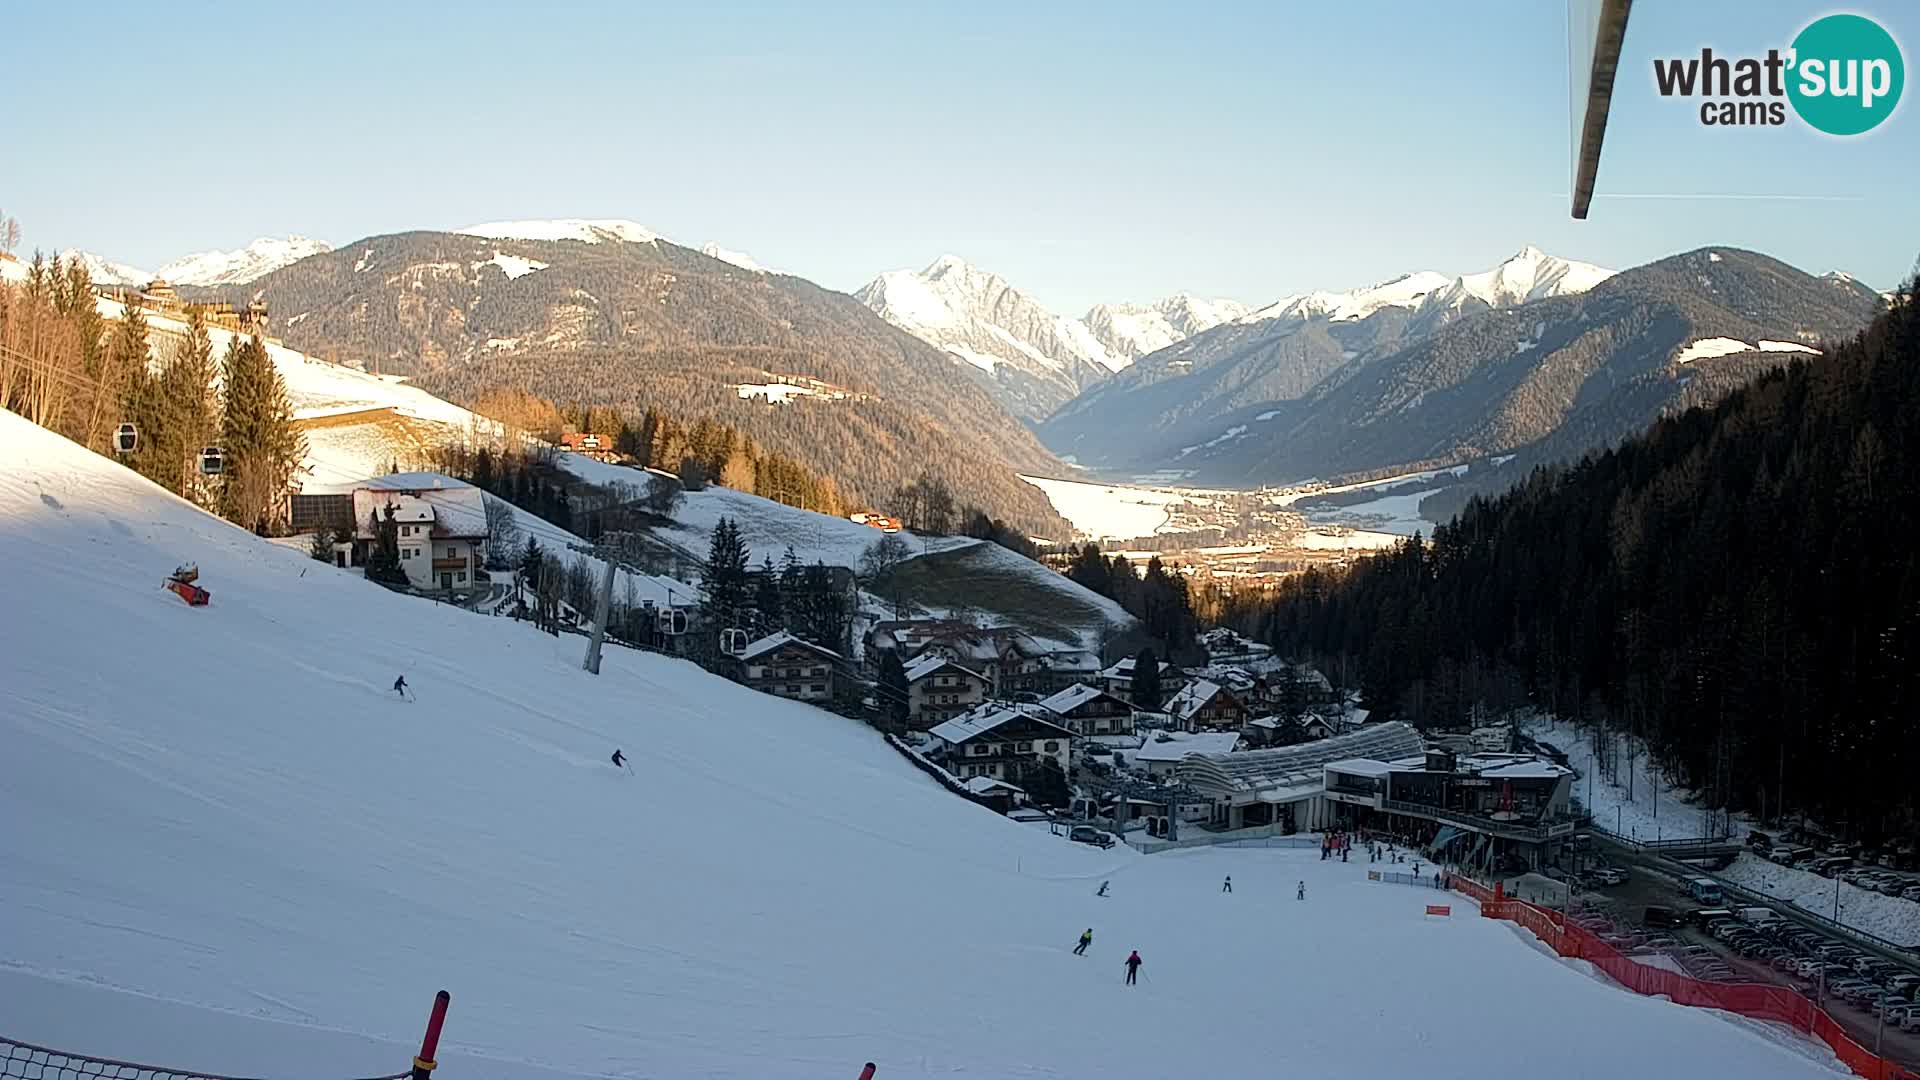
(458, 511)
(983, 720)
(1291, 767)
(1123, 668)
(1509, 767)
(987, 785)
(776, 640)
(1177, 747)
(927, 664)
(1065, 701)
(1193, 697)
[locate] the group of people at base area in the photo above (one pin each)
(1335, 843)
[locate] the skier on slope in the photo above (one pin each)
(1103, 888)
(1133, 966)
(1086, 939)
(1227, 885)
(1300, 892)
(400, 686)
(619, 759)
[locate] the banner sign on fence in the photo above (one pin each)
(1439, 909)
(1373, 875)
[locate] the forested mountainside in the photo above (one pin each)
(1739, 585)
(1569, 372)
(637, 322)
(1183, 396)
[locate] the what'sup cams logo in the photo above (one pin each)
(1842, 75)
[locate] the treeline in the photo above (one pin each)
(68, 369)
(1158, 597)
(1739, 587)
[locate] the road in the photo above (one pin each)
(1658, 881)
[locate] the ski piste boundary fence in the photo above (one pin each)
(26, 1061)
(1758, 1001)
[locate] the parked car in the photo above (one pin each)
(1657, 915)
(1087, 834)
(1610, 875)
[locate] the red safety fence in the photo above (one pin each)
(1761, 1001)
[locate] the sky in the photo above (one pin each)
(1087, 152)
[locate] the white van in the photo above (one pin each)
(1757, 916)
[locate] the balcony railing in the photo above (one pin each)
(1513, 830)
(450, 565)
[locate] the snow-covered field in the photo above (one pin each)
(1109, 510)
(230, 847)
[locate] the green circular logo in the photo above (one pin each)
(1846, 76)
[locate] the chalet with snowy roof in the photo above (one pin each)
(1117, 678)
(1265, 731)
(441, 526)
(786, 666)
(1159, 754)
(996, 794)
(1089, 710)
(939, 690)
(1223, 645)
(1205, 705)
(1001, 742)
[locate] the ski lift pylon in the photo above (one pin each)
(126, 440)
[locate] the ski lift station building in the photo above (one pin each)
(1286, 786)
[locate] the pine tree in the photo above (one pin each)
(193, 404)
(263, 448)
(769, 606)
(729, 596)
(1146, 680)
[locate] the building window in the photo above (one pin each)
(819, 688)
(793, 689)
(451, 554)
(819, 671)
(460, 575)
(1053, 747)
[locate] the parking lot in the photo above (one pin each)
(1847, 980)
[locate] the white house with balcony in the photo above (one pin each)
(441, 527)
(939, 689)
(1001, 742)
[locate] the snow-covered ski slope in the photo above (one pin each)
(228, 846)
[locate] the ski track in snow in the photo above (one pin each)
(223, 823)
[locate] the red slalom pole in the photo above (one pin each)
(423, 1065)
(867, 1073)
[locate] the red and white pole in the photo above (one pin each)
(423, 1065)
(867, 1073)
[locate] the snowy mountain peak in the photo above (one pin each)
(1530, 274)
(738, 258)
(585, 230)
(1407, 290)
(257, 259)
(105, 271)
(1134, 330)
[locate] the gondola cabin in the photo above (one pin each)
(126, 440)
(213, 461)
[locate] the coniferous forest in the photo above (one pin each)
(1740, 586)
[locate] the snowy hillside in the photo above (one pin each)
(232, 839)
(950, 575)
(1407, 290)
(738, 258)
(357, 424)
(258, 259)
(585, 230)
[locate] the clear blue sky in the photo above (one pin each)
(1087, 152)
